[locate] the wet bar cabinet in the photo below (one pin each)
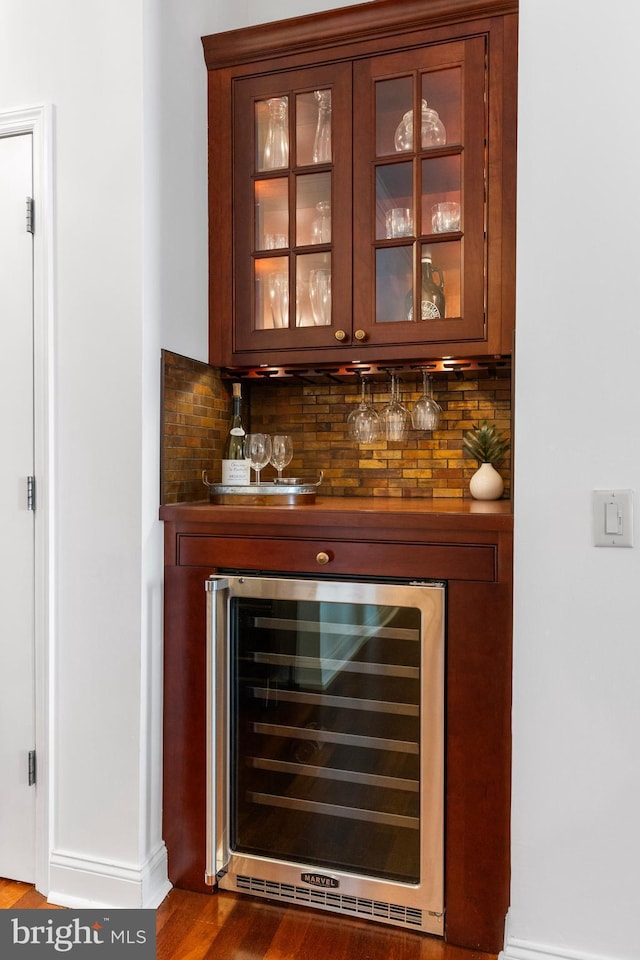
(286, 686)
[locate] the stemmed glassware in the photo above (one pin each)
(320, 297)
(426, 412)
(321, 226)
(363, 423)
(394, 415)
(281, 452)
(278, 290)
(257, 449)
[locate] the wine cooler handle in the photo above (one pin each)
(217, 854)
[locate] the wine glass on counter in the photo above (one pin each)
(281, 452)
(257, 449)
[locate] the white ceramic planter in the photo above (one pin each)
(486, 483)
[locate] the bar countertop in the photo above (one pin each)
(455, 514)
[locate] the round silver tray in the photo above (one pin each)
(278, 493)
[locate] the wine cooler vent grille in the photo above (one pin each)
(338, 903)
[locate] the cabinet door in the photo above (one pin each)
(292, 210)
(420, 248)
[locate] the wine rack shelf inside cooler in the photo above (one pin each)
(328, 734)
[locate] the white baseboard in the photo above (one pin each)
(517, 949)
(81, 883)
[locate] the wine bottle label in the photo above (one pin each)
(236, 472)
(236, 432)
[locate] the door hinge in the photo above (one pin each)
(30, 217)
(31, 493)
(32, 767)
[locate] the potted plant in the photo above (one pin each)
(487, 446)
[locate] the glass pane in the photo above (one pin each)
(394, 284)
(272, 214)
(441, 289)
(394, 98)
(442, 91)
(313, 290)
(440, 185)
(313, 127)
(313, 209)
(394, 201)
(272, 133)
(326, 743)
(271, 293)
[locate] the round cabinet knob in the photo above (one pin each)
(323, 558)
(360, 335)
(340, 335)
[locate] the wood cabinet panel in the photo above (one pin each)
(184, 762)
(478, 763)
(437, 561)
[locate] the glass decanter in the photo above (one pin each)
(322, 141)
(276, 147)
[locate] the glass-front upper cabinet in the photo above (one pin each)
(292, 209)
(420, 267)
(362, 186)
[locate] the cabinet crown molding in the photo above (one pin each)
(330, 29)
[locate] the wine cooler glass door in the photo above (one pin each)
(335, 736)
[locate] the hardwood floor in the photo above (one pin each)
(225, 926)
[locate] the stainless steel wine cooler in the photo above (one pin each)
(325, 774)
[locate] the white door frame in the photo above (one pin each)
(38, 121)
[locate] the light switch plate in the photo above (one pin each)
(612, 518)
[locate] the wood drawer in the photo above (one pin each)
(346, 558)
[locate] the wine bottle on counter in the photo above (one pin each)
(235, 467)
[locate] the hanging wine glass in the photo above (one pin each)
(257, 449)
(394, 416)
(363, 423)
(426, 412)
(322, 141)
(281, 452)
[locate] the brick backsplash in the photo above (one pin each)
(196, 415)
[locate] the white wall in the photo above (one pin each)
(576, 788)
(84, 59)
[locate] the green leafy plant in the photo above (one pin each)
(485, 444)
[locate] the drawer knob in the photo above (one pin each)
(340, 335)
(323, 558)
(360, 335)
